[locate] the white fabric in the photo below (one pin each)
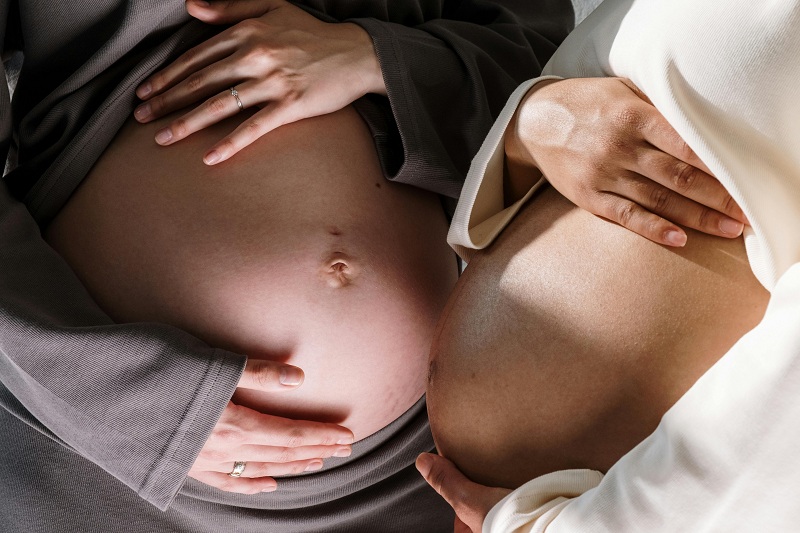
(725, 73)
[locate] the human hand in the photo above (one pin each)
(470, 501)
(270, 445)
(602, 144)
(278, 57)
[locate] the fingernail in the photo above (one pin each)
(343, 452)
(316, 465)
(144, 89)
(142, 112)
(675, 238)
(424, 464)
(346, 440)
(731, 227)
(202, 3)
(211, 157)
(269, 489)
(163, 136)
(291, 376)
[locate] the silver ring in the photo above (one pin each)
(235, 94)
(238, 468)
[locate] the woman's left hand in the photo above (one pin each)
(280, 58)
(470, 501)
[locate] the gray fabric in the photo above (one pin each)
(100, 421)
(46, 488)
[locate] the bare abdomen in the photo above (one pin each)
(565, 342)
(296, 250)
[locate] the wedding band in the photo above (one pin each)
(238, 468)
(235, 94)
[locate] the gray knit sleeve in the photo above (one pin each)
(138, 400)
(448, 74)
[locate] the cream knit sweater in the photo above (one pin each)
(726, 74)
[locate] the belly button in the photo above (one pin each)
(338, 270)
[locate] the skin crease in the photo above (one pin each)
(526, 378)
(297, 251)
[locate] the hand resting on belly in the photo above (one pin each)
(565, 342)
(297, 250)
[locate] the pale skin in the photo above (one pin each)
(292, 67)
(273, 446)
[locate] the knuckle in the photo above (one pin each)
(180, 128)
(704, 219)
(328, 440)
(627, 118)
(216, 106)
(299, 468)
(685, 152)
(157, 80)
(659, 198)
(253, 127)
(195, 82)
(229, 435)
(438, 479)
(297, 437)
(227, 147)
(728, 204)
(189, 56)
(625, 213)
(157, 105)
(286, 455)
(264, 375)
(684, 176)
(259, 56)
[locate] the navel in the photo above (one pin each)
(338, 270)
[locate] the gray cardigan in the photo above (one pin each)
(138, 401)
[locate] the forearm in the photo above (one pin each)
(148, 393)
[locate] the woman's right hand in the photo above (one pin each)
(270, 445)
(602, 144)
(278, 57)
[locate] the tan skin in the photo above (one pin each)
(275, 58)
(298, 252)
(547, 358)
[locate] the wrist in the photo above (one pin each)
(365, 60)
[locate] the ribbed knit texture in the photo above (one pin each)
(101, 422)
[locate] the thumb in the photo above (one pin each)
(264, 375)
(230, 11)
(464, 496)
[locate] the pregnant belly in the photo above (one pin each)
(566, 341)
(295, 250)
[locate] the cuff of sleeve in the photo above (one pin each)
(211, 398)
(390, 58)
(533, 506)
(481, 214)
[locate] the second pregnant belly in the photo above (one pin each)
(295, 250)
(567, 340)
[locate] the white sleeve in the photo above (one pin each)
(724, 74)
(481, 213)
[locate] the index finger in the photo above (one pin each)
(204, 54)
(453, 486)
